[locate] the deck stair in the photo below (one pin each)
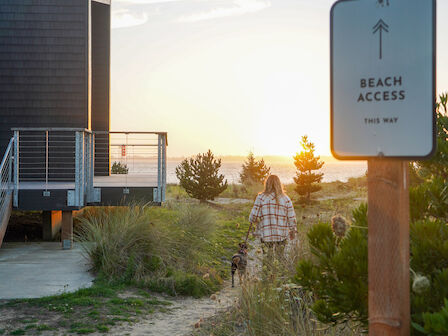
(6, 189)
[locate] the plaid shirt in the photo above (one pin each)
(275, 218)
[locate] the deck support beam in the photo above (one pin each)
(51, 224)
(67, 230)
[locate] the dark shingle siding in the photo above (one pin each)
(43, 64)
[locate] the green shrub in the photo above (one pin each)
(429, 246)
(337, 272)
(337, 275)
(429, 258)
(434, 323)
(429, 199)
(418, 201)
(437, 166)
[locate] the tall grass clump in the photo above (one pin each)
(119, 241)
(163, 249)
(189, 237)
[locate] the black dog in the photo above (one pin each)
(239, 262)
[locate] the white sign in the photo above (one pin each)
(383, 78)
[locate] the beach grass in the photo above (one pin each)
(180, 248)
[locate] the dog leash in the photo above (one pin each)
(248, 231)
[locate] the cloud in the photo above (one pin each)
(122, 18)
(239, 7)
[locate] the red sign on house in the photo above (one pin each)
(123, 150)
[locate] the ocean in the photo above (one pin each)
(333, 170)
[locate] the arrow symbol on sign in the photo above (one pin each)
(379, 27)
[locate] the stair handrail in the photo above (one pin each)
(6, 176)
(7, 152)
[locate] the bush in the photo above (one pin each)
(337, 273)
(435, 323)
(429, 258)
(429, 199)
(438, 164)
(200, 177)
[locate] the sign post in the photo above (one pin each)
(383, 110)
(388, 245)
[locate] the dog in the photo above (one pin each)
(239, 262)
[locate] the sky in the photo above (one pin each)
(232, 76)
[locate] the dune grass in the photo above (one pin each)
(164, 249)
(180, 248)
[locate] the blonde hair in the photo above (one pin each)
(272, 185)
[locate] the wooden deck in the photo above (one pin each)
(133, 181)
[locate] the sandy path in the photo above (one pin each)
(185, 312)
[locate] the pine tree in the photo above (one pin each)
(200, 176)
(306, 162)
(254, 171)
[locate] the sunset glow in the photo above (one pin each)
(232, 76)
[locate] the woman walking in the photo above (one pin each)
(274, 217)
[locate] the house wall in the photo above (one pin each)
(55, 72)
(43, 64)
(100, 114)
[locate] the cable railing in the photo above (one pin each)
(134, 159)
(81, 161)
(6, 179)
(62, 157)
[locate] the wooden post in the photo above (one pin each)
(51, 224)
(67, 230)
(388, 218)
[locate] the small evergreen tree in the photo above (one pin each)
(306, 162)
(119, 168)
(254, 171)
(200, 176)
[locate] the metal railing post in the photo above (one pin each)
(91, 166)
(79, 169)
(92, 159)
(163, 167)
(90, 153)
(86, 167)
(46, 160)
(16, 169)
(159, 168)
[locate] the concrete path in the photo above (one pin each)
(31, 270)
